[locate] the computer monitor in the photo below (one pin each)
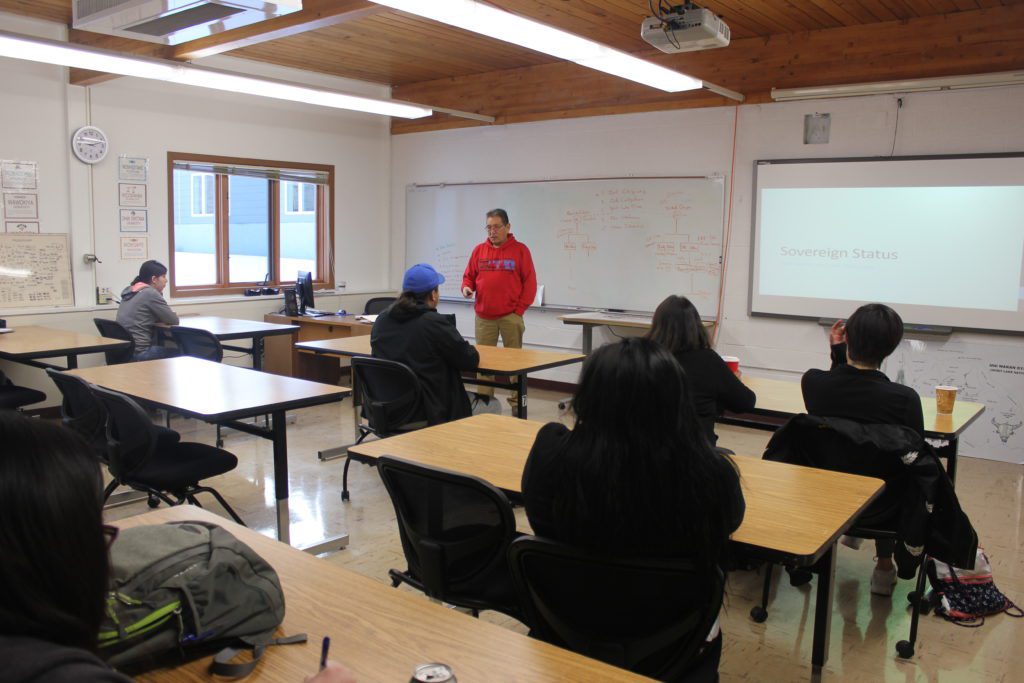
(304, 291)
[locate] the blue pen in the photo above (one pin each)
(324, 649)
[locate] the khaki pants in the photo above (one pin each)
(510, 328)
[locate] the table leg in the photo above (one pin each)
(257, 353)
(521, 396)
(335, 452)
(588, 339)
(823, 607)
(951, 453)
(279, 438)
(72, 362)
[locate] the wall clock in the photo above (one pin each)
(90, 144)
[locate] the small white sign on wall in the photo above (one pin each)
(19, 175)
(21, 226)
(134, 248)
(21, 205)
(132, 169)
(131, 194)
(134, 220)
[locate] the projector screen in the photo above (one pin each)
(940, 239)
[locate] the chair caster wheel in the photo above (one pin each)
(344, 495)
(758, 614)
(153, 501)
(905, 649)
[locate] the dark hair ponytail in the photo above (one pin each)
(148, 271)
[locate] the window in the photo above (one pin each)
(237, 222)
(202, 203)
(299, 197)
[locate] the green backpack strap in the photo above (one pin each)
(222, 665)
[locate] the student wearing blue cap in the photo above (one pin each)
(412, 332)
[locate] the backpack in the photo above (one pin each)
(184, 589)
(966, 596)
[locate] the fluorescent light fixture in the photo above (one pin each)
(64, 54)
(894, 87)
(511, 28)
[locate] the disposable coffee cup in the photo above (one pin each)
(945, 397)
(733, 362)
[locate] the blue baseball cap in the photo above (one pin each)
(421, 278)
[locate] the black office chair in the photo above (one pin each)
(391, 397)
(82, 411)
(203, 344)
(650, 616)
(814, 442)
(378, 305)
(115, 330)
(140, 459)
(455, 531)
(13, 397)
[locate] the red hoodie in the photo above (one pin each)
(503, 278)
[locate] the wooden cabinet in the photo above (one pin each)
(282, 358)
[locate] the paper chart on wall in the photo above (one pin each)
(992, 374)
(36, 271)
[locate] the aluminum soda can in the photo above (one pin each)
(433, 673)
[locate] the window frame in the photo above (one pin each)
(324, 233)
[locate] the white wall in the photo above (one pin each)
(39, 111)
(699, 142)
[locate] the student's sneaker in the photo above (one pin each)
(882, 581)
(851, 542)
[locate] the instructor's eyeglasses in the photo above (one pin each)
(495, 228)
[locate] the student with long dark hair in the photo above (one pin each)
(677, 327)
(54, 565)
(635, 476)
(143, 306)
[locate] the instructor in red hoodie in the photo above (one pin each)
(500, 273)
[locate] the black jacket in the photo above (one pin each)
(862, 395)
(714, 387)
(28, 660)
(432, 347)
(918, 502)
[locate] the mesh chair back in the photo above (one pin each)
(131, 435)
(378, 305)
(81, 410)
(115, 330)
(390, 393)
(199, 343)
(455, 529)
(650, 616)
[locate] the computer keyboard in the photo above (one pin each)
(314, 313)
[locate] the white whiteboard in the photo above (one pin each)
(623, 243)
(35, 271)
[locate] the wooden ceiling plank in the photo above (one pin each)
(979, 41)
(126, 46)
(835, 11)
(880, 10)
(315, 14)
(58, 11)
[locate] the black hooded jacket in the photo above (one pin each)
(432, 347)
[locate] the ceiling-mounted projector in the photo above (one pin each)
(685, 28)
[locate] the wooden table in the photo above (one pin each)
(378, 632)
(592, 319)
(494, 360)
(228, 329)
(794, 514)
(27, 344)
(284, 358)
(781, 399)
(218, 393)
